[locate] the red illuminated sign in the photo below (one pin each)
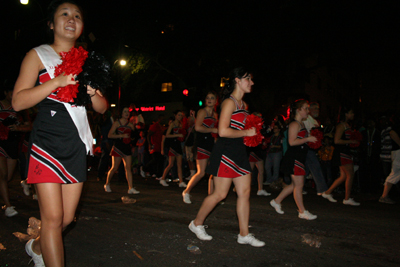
(155, 108)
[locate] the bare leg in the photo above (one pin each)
(201, 168)
(57, 204)
(211, 185)
(386, 189)
(11, 164)
(349, 170)
(115, 164)
(128, 171)
(243, 186)
(170, 165)
(338, 181)
(298, 183)
(179, 165)
(4, 182)
(284, 193)
(260, 167)
(222, 186)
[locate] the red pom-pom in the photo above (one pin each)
(3, 131)
(355, 135)
(319, 135)
(182, 131)
(72, 63)
(257, 122)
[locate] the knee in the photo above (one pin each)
(219, 196)
(67, 221)
(53, 221)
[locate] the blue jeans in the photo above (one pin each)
(273, 161)
(313, 166)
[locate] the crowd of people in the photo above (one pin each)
(54, 141)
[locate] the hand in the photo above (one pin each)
(162, 152)
(215, 130)
(180, 135)
(64, 80)
(251, 132)
(126, 135)
(354, 142)
(13, 127)
(312, 139)
(91, 91)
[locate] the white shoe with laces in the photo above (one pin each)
(307, 215)
(328, 197)
(133, 191)
(10, 211)
(163, 183)
(183, 184)
(107, 188)
(199, 231)
(263, 193)
(142, 173)
(276, 206)
(25, 187)
(186, 198)
(350, 202)
(251, 240)
(37, 259)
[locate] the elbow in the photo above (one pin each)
(16, 106)
(222, 133)
(197, 128)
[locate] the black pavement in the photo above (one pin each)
(154, 230)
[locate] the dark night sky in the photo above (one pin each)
(359, 36)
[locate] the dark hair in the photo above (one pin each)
(239, 72)
(51, 11)
(176, 112)
(211, 93)
(122, 109)
(295, 106)
(342, 112)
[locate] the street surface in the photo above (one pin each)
(153, 231)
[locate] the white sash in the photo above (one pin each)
(50, 60)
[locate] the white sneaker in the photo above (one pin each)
(251, 240)
(186, 198)
(37, 259)
(142, 173)
(154, 176)
(107, 188)
(307, 215)
(263, 193)
(350, 202)
(183, 184)
(199, 231)
(304, 192)
(133, 191)
(328, 197)
(277, 207)
(188, 178)
(25, 187)
(34, 197)
(164, 183)
(10, 211)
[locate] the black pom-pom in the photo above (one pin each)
(96, 73)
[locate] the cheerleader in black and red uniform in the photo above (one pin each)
(9, 142)
(61, 136)
(294, 160)
(121, 131)
(342, 156)
(256, 158)
(175, 134)
(205, 125)
(229, 161)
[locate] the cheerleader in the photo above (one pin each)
(61, 137)
(229, 161)
(342, 157)
(121, 131)
(294, 160)
(205, 125)
(174, 133)
(256, 158)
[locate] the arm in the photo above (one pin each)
(113, 135)
(294, 128)
(338, 136)
(395, 137)
(162, 145)
(26, 94)
(99, 102)
(169, 135)
(198, 126)
(224, 129)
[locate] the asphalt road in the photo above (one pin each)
(153, 231)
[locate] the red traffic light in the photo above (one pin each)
(186, 92)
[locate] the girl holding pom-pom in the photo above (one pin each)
(229, 161)
(61, 137)
(294, 160)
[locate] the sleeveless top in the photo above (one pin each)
(238, 118)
